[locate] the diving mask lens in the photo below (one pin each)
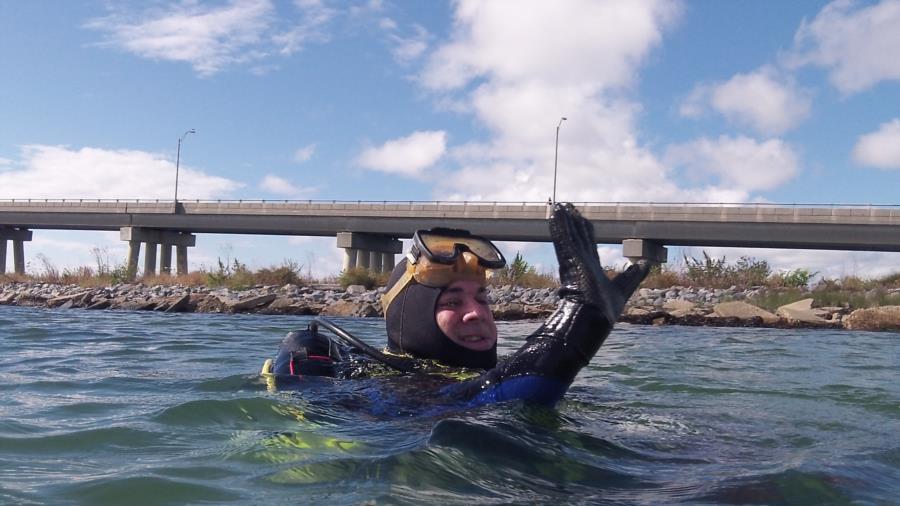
(437, 274)
(444, 246)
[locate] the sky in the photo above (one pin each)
(665, 101)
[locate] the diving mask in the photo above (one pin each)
(444, 245)
(441, 256)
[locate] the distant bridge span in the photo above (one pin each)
(828, 227)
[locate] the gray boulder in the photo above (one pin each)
(743, 311)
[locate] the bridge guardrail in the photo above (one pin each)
(612, 211)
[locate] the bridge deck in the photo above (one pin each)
(874, 228)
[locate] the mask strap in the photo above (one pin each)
(398, 287)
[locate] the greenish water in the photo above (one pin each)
(142, 408)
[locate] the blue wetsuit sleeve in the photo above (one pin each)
(544, 367)
(541, 371)
(534, 389)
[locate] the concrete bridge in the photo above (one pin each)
(369, 232)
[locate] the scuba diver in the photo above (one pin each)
(437, 316)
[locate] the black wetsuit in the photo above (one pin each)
(543, 368)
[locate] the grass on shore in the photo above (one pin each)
(234, 275)
(778, 288)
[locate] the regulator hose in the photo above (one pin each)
(351, 340)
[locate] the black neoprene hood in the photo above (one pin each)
(412, 328)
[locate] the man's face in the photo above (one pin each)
(463, 314)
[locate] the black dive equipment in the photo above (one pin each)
(355, 342)
(309, 353)
(542, 370)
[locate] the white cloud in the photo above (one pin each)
(407, 48)
(518, 85)
(696, 103)
(212, 38)
(387, 24)
(305, 153)
(208, 37)
(880, 148)
(761, 99)
(583, 66)
(408, 155)
(61, 172)
(314, 16)
(739, 162)
(281, 186)
(594, 43)
(857, 43)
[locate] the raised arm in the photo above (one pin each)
(590, 303)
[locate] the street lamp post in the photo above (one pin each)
(178, 161)
(556, 157)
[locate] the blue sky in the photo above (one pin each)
(764, 101)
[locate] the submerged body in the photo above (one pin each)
(542, 369)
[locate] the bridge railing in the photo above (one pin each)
(71, 201)
(615, 211)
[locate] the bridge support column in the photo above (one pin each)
(375, 261)
(165, 259)
(370, 250)
(134, 252)
(150, 258)
(18, 236)
(642, 249)
(181, 262)
(152, 238)
(362, 260)
(387, 262)
(350, 256)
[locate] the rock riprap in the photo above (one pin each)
(675, 305)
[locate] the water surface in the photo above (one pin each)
(106, 407)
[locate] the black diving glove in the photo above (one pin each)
(590, 303)
(581, 277)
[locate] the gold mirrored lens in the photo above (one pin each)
(445, 246)
(439, 275)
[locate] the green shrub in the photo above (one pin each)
(771, 300)
(890, 281)
(710, 272)
(234, 275)
(520, 273)
(852, 283)
(797, 278)
(751, 272)
(663, 276)
(288, 273)
(362, 276)
(717, 273)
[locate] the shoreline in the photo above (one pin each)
(687, 306)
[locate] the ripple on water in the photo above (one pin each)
(246, 413)
(145, 407)
(81, 410)
(88, 441)
(16, 427)
(148, 489)
(794, 487)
